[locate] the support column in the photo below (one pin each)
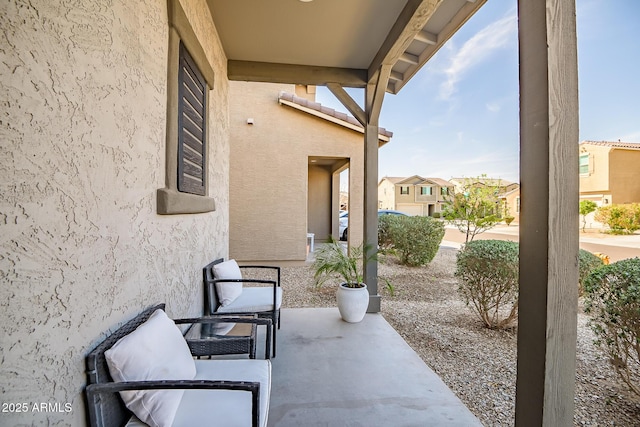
(374, 95)
(549, 217)
(371, 212)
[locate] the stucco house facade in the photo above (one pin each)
(95, 227)
(286, 156)
(414, 195)
(610, 172)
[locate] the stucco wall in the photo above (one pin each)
(83, 151)
(597, 180)
(319, 202)
(269, 172)
(625, 176)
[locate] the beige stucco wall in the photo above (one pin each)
(597, 180)
(83, 152)
(386, 194)
(269, 172)
(319, 202)
(614, 175)
(625, 176)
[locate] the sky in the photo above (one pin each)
(458, 116)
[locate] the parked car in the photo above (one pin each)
(344, 220)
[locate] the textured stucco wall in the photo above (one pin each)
(269, 172)
(82, 131)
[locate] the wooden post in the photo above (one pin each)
(549, 218)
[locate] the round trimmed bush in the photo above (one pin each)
(487, 272)
(414, 239)
(613, 300)
(587, 263)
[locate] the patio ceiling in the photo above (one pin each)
(334, 41)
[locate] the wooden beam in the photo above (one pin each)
(298, 74)
(410, 22)
(427, 37)
(396, 76)
(348, 102)
(548, 300)
(378, 95)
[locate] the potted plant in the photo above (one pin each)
(332, 259)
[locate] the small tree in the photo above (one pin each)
(586, 207)
(487, 272)
(613, 299)
(473, 209)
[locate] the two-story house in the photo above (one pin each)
(610, 172)
(414, 195)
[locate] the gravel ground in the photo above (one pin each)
(478, 364)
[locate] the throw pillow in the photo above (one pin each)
(227, 291)
(156, 350)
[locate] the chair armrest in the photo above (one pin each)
(264, 267)
(94, 391)
(264, 281)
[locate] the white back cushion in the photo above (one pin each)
(156, 350)
(227, 291)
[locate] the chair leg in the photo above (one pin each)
(274, 339)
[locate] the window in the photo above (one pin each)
(426, 191)
(192, 118)
(584, 164)
(444, 191)
(517, 204)
(404, 190)
(190, 80)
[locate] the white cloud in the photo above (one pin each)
(494, 107)
(478, 48)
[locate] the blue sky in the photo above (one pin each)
(458, 116)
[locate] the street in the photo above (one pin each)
(615, 247)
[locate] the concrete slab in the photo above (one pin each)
(332, 373)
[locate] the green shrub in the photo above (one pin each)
(587, 263)
(385, 222)
(487, 272)
(414, 239)
(437, 215)
(508, 219)
(621, 219)
(613, 299)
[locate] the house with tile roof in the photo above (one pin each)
(414, 195)
(610, 172)
(286, 156)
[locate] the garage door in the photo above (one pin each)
(410, 209)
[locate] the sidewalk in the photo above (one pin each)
(630, 241)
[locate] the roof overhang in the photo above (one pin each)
(334, 41)
(330, 115)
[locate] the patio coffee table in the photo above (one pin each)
(220, 338)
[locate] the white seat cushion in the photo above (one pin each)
(156, 350)
(254, 299)
(227, 291)
(223, 407)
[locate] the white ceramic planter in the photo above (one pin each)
(352, 302)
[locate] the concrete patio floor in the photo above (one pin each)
(331, 373)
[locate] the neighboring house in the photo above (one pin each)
(414, 195)
(610, 172)
(511, 204)
(503, 185)
(286, 156)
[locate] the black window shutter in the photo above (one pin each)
(192, 119)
